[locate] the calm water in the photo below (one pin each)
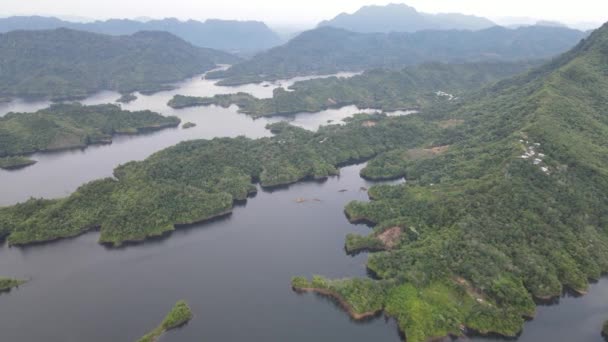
(57, 174)
(234, 272)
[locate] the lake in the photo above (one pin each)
(234, 272)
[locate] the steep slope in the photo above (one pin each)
(327, 50)
(228, 35)
(403, 18)
(514, 207)
(65, 63)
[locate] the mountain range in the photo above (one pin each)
(228, 35)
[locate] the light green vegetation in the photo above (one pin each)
(328, 50)
(490, 226)
(6, 284)
(67, 64)
(64, 126)
(178, 316)
(410, 88)
(13, 163)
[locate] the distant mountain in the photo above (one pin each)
(403, 18)
(227, 35)
(327, 50)
(65, 63)
(550, 23)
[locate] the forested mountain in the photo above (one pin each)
(505, 201)
(413, 87)
(64, 63)
(327, 50)
(403, 18)
(510, 208)
(227, 35)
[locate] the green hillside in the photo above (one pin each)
(68, 64)
(514, 208)
(327, 50)
(505, 200)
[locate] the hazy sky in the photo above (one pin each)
(302, 12)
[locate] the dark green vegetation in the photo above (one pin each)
(65, 64)
(514, 209)
(410, 88)
(605, 330)
(126, 98)
(198, 180)
(14, 163)
(178, 316)
(403, 18)
(64, 126)
(6, 284)
(327, 50)
(188, 125)
(227, 35)
(505, 200)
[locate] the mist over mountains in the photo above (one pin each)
(228, 35)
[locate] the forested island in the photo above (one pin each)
(63, 126)
(6, 284)
(328, 50)
(410, 88)
(198, 180)
(505, 200)
(66, 64)
(179, 315)
(127, 98)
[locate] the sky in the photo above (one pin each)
(303, 13)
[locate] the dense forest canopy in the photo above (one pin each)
(513, 208)
(68, 64)
(504, 200)
(387, 90)
(327, 50)
(64, 126)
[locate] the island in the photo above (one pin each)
(386, 90)
(605, 330)
(6, 284)
(127, 98)
(179, 315)
(505, 201)
(15, 163)
(64, 126)
(188, 125)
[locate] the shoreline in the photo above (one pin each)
(341, 301)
